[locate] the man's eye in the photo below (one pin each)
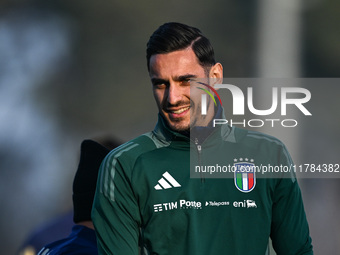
(159, 85)
(186, 82)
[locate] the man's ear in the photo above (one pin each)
(216, 74)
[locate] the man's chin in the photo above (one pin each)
(179, 127)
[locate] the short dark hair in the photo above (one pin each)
(173, 36)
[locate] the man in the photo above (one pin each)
(82, 239)
(145, 192)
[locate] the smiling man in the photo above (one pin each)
(146, 201)
(170, 75)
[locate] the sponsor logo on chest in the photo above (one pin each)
(181, 204)
(188, 204)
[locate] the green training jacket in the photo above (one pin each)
(146, 197)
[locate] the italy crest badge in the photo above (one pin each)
(244, 175)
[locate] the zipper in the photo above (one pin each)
(199, 150)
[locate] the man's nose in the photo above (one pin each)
(174, 94)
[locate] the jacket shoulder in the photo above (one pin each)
(136, 147)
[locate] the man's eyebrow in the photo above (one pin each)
(185, 77)
(158, 81)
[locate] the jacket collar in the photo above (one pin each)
(163, 132)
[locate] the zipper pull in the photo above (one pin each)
(199, 147)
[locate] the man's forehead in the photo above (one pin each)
(176, 63)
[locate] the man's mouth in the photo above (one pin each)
(179, 111)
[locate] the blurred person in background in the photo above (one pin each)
(145, 191)
(82, 239)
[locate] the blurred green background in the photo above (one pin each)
(71, 70)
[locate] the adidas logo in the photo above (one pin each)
(167, 182)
